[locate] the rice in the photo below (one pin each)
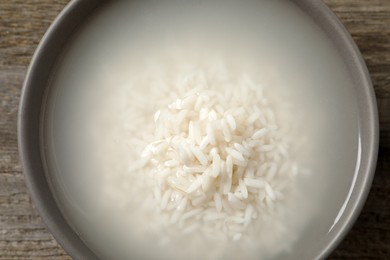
(218, 156)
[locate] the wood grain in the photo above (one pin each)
(22, 24)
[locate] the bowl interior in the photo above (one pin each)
(36, 98)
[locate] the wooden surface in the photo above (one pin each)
(22, 24)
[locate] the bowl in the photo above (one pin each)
(34, 99)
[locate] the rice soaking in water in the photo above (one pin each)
(201, 130)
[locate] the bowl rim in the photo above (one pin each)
(37, 80)
(368, 119)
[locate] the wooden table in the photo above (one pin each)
(22, 24)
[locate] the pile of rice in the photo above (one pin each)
(218, 159)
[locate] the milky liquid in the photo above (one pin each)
(127, 45)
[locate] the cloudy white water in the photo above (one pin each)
(104, 79)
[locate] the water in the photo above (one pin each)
(128, 43)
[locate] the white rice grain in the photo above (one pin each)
(165, 198)
(194, 186)
(225, 130)
(265, 148)
(216, 165)
(255, 183)
(210, 134)
(231, 121)
(270, 192)
(235, 154)
(260, 133)
(248, 214)
(199, 155)
(218, 201)
(243, 189)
